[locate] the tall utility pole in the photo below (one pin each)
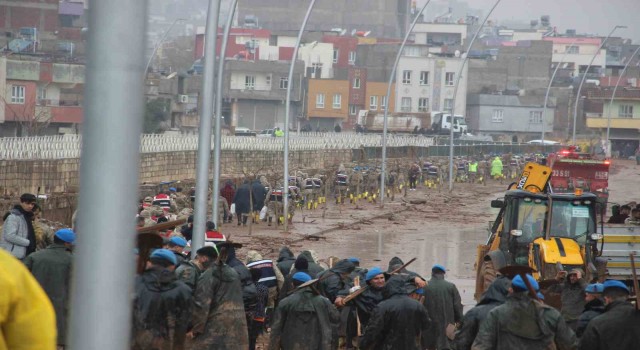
(392, 76)
(287, 110)
(157, 46)
(204, 132)
(103, 272)
(218, 134)
(584, 77)
(455, 93)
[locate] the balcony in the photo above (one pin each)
(58, 103)
(596, 121)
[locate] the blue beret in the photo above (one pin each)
(615, 284)
(419, 291)
(354, 260)
(172, 189)
(375, 271)
(165, 254)
(517, 282)
(66, 235)
(301, 277)
(179, 241)
(439, 267)
(540, 296)
(594, 288)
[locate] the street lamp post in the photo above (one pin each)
(217, 149)
(621, 75)
(204, 132)
(386, 107)
(455, 93)
(164, 36)
(584, 77)
(546, 95)
(103, 270)
(287, 107)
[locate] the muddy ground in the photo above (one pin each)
(445, 230)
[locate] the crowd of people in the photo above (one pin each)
(218, 301)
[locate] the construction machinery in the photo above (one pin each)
(548, 232)
(575, 170)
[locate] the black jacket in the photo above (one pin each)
(398, 322)
(286, 259)
(314, 269)
(333, 285)
(259, 195)
(366, 303)
(495, 296)
(161, 310)
(592, 309)
(242, 199)
(616, 329)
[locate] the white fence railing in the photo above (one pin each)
(69, 146)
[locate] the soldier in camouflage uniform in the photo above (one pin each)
(218, 317)
(189, 271)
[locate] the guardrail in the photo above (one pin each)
(69, 146)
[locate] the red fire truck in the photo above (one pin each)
(574, 170)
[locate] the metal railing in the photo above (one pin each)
(68, 146)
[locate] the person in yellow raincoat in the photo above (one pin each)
(27, 319)
(496, 168)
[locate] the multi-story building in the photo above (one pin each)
(509, 114)
(577, 52)
(621, 116)
(39, 96)
(327, 103)
(384, 18)
(521, 66)
(255, 93)
(426, 84)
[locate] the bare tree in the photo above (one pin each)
(31, 119)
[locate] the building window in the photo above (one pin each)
(17, 94)
(41, 95)
(284, 83)
(320, 101)
(406, 77)
(424, 78)
(373, 103)
(423, 104)
(383, 102)
(448, 79)
(268, 80)
(405, 105)
(625, 111)
(356, 83)
(535, 117)
(572, 49)
(336, 54)
(353, 110)
(352, 57)
(448, 104)
(249, 82)
(498, 116)
(317, 67)
(337, 101)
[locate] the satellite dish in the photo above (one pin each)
(343, 32)
(457, 53)
(170, 76)
(353, 32)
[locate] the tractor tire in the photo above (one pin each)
(487, 274)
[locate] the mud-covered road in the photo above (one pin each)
(445, 230)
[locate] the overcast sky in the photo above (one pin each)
(586, 16)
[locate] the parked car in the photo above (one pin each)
(266, 133)
(240, 131)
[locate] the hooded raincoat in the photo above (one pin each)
(495, 296)
(334, 284)
(218, 317)
(161, 311)
(398, 322)
(524, 324)
(304, 320)
(286, 259)
(442, 300)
